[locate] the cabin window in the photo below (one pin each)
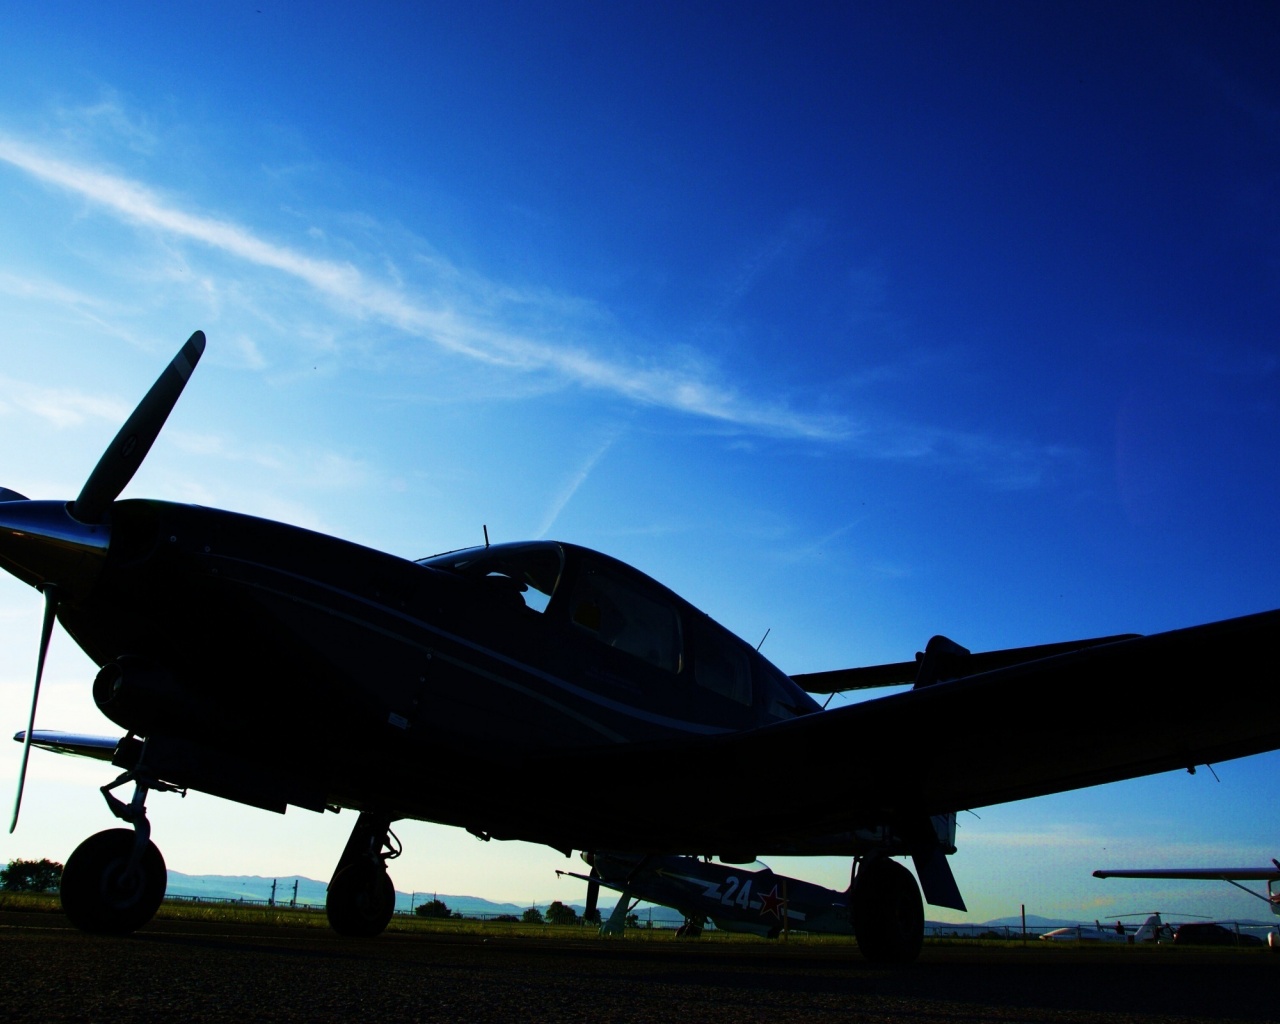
(627, 618)
(721, 665)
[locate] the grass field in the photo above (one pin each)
(287, 917)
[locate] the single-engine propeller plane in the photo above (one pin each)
(1233, 876)
(467, 687)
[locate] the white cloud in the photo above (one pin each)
(60, 407)
(308, 467)
(42, 290)
(570, 488)
(441, 322)
(497, 325)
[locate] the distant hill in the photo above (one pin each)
(311, 892)
(1035, 923)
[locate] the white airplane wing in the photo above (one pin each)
(1267, 874)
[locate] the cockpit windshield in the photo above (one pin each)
(530, 570)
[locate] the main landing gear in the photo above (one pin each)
(692, 927)
(361, 897)
(114, 881)
(887, 912)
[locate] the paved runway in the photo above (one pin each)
(217, 972)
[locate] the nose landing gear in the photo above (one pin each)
(114, 881)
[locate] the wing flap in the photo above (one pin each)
(899, 673)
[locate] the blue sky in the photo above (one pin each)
(856, 323)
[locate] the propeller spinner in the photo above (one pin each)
(58, 547)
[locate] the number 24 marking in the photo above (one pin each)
(736, 892)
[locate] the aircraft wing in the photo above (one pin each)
(1267, 874)
(871, 677)
(1088, 716)
(100, 748)
(592, 881)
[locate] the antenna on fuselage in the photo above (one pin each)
(485, 527)
(763, 639)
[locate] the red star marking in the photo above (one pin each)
(772, 903)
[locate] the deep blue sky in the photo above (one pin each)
(858, 323)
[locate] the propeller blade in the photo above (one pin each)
(121, 460)
(46, 632)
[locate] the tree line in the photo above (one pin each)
(557, 913)
(46, 875)
(31, 876)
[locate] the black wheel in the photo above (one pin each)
(888, 915)
(100, 893)
(691, 929)
(361, 900)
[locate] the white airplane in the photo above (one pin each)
(1232, 876)
(1151, 930)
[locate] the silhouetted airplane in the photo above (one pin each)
(1233, 876)
(470, 687)
(733, 899)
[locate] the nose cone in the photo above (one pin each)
(42, 545)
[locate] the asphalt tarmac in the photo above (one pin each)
(195, 971)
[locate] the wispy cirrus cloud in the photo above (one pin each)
(487, 322)
(469, 335)
(312, 468)
(578, 478)
(44, 290)
(59, 407)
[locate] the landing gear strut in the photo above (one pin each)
(692, 927)
(114, 881)
(361, 897)
(888, 915)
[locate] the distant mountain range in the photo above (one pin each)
(310, 892)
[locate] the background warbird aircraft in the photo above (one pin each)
(757, 902)
(466, 688)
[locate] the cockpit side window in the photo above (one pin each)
(779, 697)
(721, 664)
(627, 617)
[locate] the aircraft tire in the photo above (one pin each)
(888, 915)
(361, 900)
(97, 894)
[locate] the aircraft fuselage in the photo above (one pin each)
(346, 676)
